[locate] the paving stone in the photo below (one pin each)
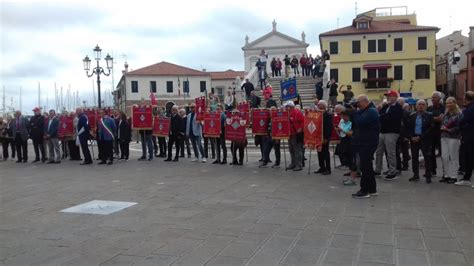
(414, 242)
(157, 260)
(178, 247)
(239, 250)
(376, 253)
(252, 238)
(226, 261)
(345, 242)
(441, 243)
(200, 255)
(378, 237)
(303, 255)
(335, 256)
(443, 258)
(407, 257)
(122, 260)
(272, 251)
(437, 232)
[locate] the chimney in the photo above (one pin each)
(203, 70)
(471, 38)
(126, 67)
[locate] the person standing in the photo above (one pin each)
(229, 100)
(106, 133)
(278, 67)
(74, 150)
(124, 135)
(391, 116)
(287, 61)
(467, 135)
(303, 61)
(83, 135)
(194, 133)
(403, 143)
(421, 130)
(52, 138)
(437, 109)
(348, 94)
(162, 140)
(147, 144)
(221, 141)
(450, 141)
(20, 134)
(273, 66)
(294, 65)
(3, 139)
(255, 100)
(248, 87)
(176, 134)
(9, 137)
(319, 88)
(296, 136)
(332, 86)
(37, 135)
(324, 158)
(185, 142)
(366, 130)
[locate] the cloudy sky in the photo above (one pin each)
(45, 41)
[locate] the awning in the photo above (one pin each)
(377, 66)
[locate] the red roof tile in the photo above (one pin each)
(166, 69)
(228, 74)
(378, 27)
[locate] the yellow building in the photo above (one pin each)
(382, 51)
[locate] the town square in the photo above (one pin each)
(344, 137)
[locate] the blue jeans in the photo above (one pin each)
(147, 143)
(197, 146)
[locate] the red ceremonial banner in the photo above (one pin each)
(280, 125)
(313, 129)
(200, 107)
(235, 127)
(66, 126)
(91, 114)
(335, 121)
(212, 124)
(260, 120)
(161, 126)
(142, 117)
(244, 108)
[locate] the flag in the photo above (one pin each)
(142, 117)
(212, 124)
(280, 124)
(260, 121)
(288, 89)
(335, 121)
(235, 127)
(244, 108)
(200, 107)
(153, 99)
(66, 126)
(161, 126)
(313, 129)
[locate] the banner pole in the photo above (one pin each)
(247, 153)
(284, 153)
(309, 163)
(92, 148)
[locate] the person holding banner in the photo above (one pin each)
(106, 134)
(366, 130)
(267, 145)
(296, 137)
(324, 158)
(83, 136)
(52, 140)
(176, 134)
(74, 151)
(162, 140)
(124, 135)
(194, 133)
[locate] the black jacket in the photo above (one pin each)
(248, 86)
(37, 127)
(176, 127)
(404, 129)
(467, 123)
(426, 127)
(391, 120)
(366, 127)
(255, 101)
(332, 89)
(270, 103)
(327, 125)
(125, 131)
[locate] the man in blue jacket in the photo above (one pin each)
(365, 139)
(51, 133)
(83, 135)
(106, 135)
(194, 133)
(467, 133)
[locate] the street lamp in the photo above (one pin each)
(98, 69)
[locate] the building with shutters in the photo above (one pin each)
(383, 49)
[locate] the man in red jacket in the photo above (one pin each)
(296, 136)
(303, 60)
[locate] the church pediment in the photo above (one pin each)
(275, 39)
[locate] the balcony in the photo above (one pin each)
(377, 83)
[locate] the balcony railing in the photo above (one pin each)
(377, 83)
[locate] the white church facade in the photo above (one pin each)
(275, 44)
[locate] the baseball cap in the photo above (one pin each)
(391, 93)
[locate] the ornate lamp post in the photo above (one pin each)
(98, 69)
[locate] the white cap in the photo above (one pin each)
(289, 103)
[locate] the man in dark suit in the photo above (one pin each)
(20, 134)
(52, 138)
(37, 135)
(176, 134)
(83, 135)
(324, 158)
(420, 134)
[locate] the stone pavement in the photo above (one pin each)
(196, 214)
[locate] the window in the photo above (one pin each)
(363, 25)
(186, 86)
(169, 86)
(398, 72)
(203, 85)
(334, 74)
(422, 71)
(372, 46)
(398, 44)
(382, 75)
(153, 86)
(382, 45)
(472, 61)
(356, 74)
(356, 47)
(422, 43)
(333, 48)
(134, 86)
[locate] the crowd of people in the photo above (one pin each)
(365, 131)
